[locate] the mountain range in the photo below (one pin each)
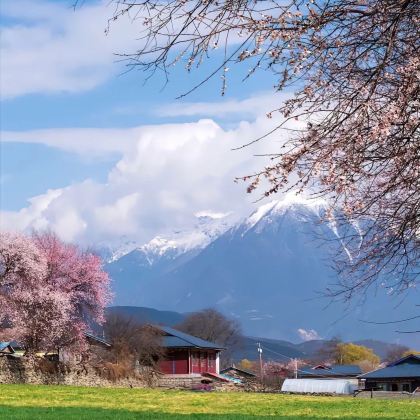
(268, 271)
(273, 349)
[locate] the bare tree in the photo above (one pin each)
(397, 352)
(132, 341)
(329, 351)
(355, 66)
(213, 326)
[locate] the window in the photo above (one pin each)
(406, 387)
(394, 387)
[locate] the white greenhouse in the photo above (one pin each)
(319, 386)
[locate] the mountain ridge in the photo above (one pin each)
(267, 271)
(274, 349)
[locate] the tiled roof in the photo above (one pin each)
(175, 338)
(334, 370)
(410, 358)
(407, 367)
(246, 372)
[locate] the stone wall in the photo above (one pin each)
(43, 372)
(39, 371)
(179, 381)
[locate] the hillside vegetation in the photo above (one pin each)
(26, 402)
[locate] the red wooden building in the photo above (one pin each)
(186, 354)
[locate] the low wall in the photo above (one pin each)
(42, 372)
(37, 371)
(179, 381)
(387, 395)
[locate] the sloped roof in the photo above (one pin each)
(98, 339)
(16, 345)
(6, 344)
(245, 372)
(407, 367)
(410, 358)
(334, 370)
(174, 338)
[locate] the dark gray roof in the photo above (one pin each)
(16, 345)
(407, 367)
(334, 370)
(174, 338)
(245, 372)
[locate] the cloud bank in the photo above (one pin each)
(166, 175)
(48, 47)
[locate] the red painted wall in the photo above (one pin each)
(212, 362)
(203, 361)
(175, 362)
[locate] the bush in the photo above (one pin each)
(115, 371)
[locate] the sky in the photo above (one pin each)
(95, 152)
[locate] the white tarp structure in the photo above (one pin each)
(319, 386)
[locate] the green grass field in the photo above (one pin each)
(64, 402)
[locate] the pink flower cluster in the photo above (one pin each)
(50, 291)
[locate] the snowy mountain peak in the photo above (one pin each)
(278, 207)
(209, 225)
(211, 215)
(159, 246)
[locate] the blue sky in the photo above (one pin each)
(95, 154)
(74, 124)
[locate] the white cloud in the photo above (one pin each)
(212, 214)
(255, 105)
(307, 335)
(166, 174)
(85, 141)
(48, 47)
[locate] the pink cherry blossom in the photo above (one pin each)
(50, 291)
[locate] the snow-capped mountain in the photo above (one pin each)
(268, 271)
(208, 226)
(270, 212)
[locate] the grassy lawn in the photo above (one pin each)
(32, 402)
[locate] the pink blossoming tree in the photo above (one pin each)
(50, 291)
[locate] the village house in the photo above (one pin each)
(329, 371)
(188, 355)
(184, 354)
(14, 349)
(94, 342)
(401, 375)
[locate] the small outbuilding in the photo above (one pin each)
(401, 375)
(318, 386)
(187, 355)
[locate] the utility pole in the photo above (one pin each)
(296, 368)
(259, 349)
